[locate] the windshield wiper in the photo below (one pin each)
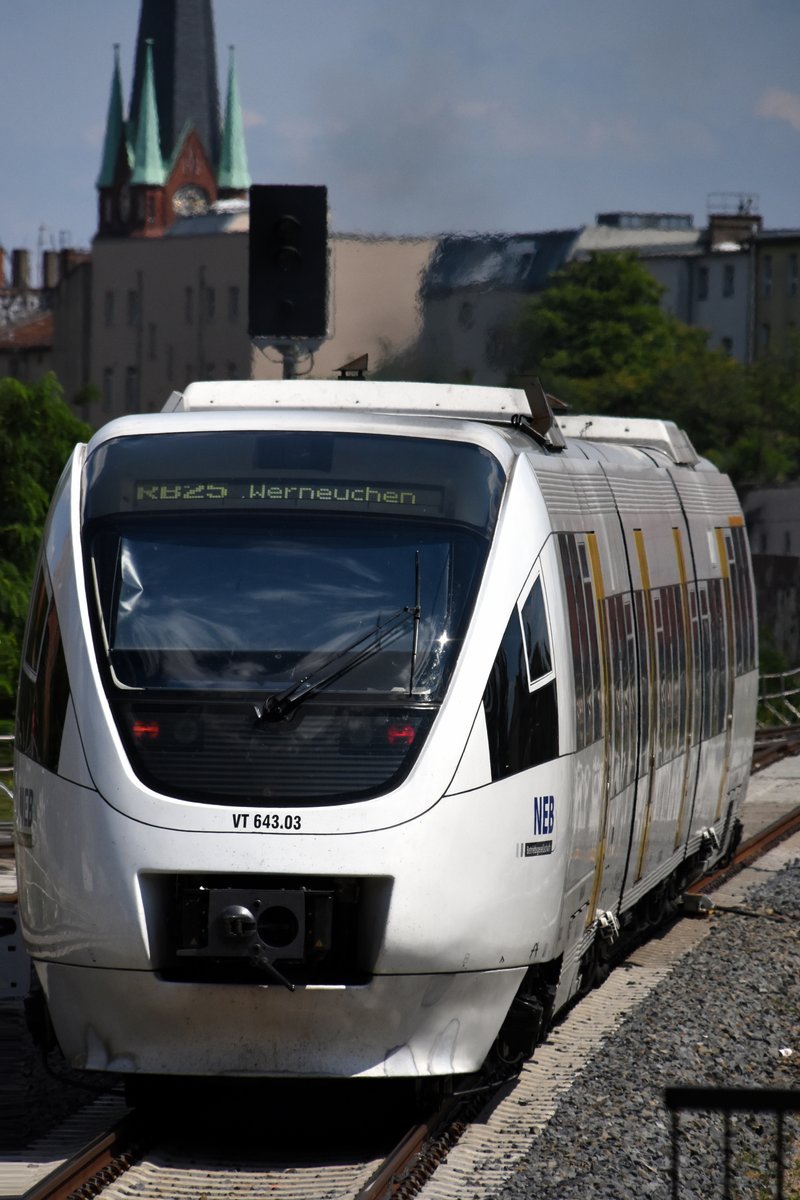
(279, 706)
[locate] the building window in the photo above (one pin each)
(792, 276)
(211, 302)
(728, 276)
(727, 345)
(133, 307)
(763, 337)
(151, 341)
(108, 309)
(231, 371)
(131, 389)
(108, 388)
(233, 304)
(766, 276)
(702, 283)
(151, 209)
(189, 305)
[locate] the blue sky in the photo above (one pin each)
(428, 116)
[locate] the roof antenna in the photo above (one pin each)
(355, 369)
(542, 420)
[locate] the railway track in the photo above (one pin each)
(134, 1150)
(773, 744)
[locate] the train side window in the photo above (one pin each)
(36, 624)
(43, 693)
(521, 717)
(537, 638)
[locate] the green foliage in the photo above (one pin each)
(37, 433)
(599, 340)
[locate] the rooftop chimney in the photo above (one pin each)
(20, 270)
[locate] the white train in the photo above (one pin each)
(356, 720)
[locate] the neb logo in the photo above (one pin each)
(544, 817)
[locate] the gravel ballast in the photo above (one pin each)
(728, 1016)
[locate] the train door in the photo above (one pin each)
(669, 637)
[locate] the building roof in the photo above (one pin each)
(778, 235)
(115, 128)
(185, 71)
(519, 262)
(148, 163)
(33, 334)
(233, 174)
(611, 237)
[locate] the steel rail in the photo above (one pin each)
(90, 1169)
(397, 1163)
(748, 852)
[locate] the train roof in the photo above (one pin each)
(419, 399)
(529, 407)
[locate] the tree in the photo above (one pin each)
(37, 433)
(600, 341)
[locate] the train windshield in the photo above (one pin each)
(327, 578)
(198, 602)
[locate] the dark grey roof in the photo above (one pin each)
(518, 262)
(788, 235)
(185, 61)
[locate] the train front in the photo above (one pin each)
(264, 842)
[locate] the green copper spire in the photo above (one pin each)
(233, 174)
(148, 163)
(115, 128)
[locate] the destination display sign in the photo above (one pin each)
(303, 471)
(286, 493)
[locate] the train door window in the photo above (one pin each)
(582, 616)
(695, 674)
(615, 718)
(673, 692)
(682, 653)
(706, 642)
(643, 644)
(629, 691)
(594, 643)
(622, 717)
(660, 681)
(718, 655)
(520, 698)
(743, 623)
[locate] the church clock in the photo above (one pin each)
(190, 201)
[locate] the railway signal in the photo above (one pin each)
(288, 292)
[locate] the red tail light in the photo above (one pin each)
(149, 730)
(400, 735)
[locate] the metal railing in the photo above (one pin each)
(779, 698)
(727, 1101)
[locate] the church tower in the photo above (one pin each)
(172, 157)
